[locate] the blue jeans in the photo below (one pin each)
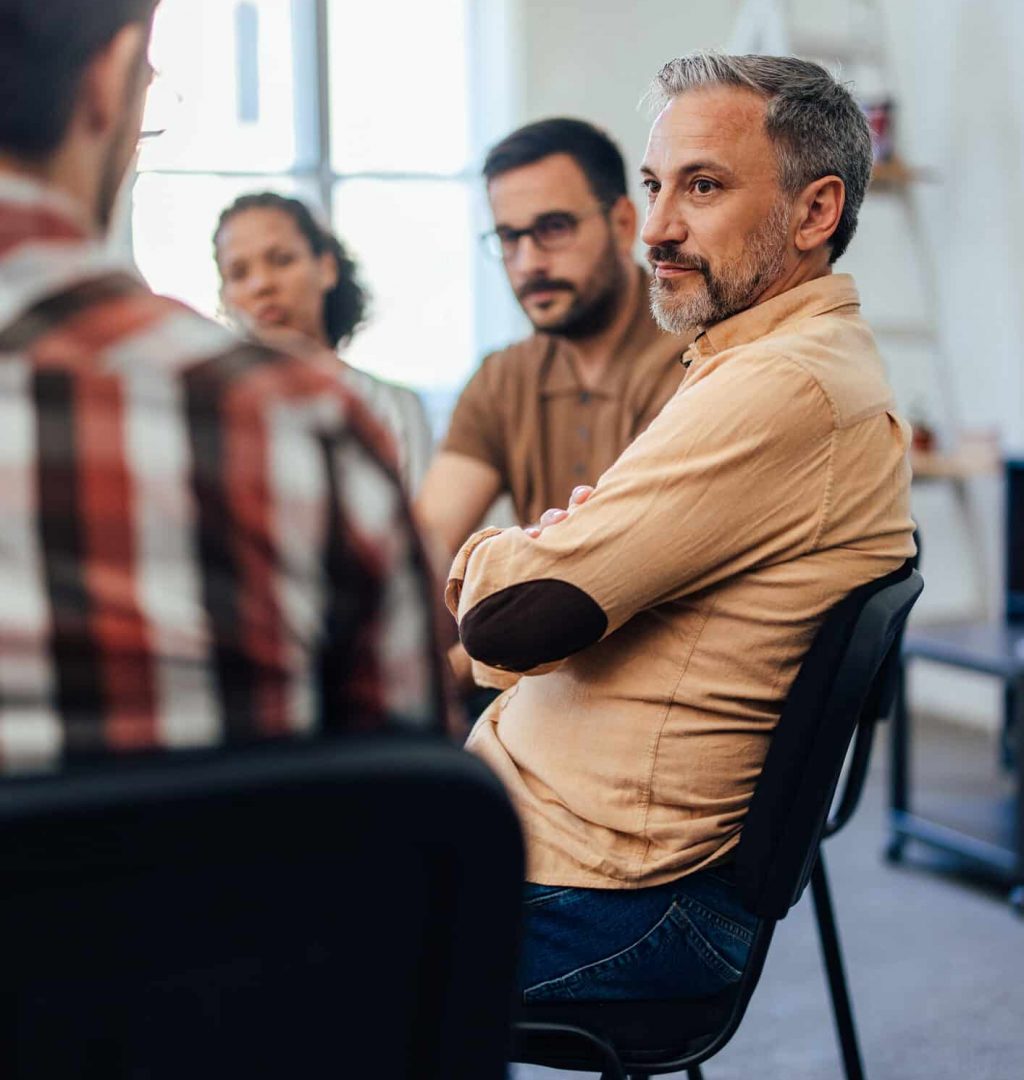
(688, 938)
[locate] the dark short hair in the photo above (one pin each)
(45, 47)
(595, 153)
(345, 306)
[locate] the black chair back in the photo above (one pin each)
(837, 684)
(844, 683)
(330, 909)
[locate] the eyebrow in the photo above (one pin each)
(533, 221)
(708, 165)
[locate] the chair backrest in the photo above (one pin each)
(841, 678)
(339, 908)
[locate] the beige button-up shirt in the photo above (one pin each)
(660, 626)
(527, 414)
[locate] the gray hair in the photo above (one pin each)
(811, 118)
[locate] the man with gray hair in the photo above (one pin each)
(662, 617)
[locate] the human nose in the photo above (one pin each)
(261, 280)
(528, 257)
(664, 223)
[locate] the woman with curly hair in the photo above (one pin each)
(285, 278)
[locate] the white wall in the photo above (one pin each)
(956, 71)
(595, 58)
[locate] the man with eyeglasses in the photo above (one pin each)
(552, 412)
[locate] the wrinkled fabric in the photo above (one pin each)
(774, 482)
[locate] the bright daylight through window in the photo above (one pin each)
(254, 95)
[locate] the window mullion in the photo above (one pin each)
(325, 171)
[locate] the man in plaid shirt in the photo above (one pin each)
(201, 541)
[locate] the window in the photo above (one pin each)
(363, 111)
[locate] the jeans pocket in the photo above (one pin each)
(671, 959)
(535, 896)
(721, 945)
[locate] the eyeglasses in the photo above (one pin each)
(550, 232)
(163, 106)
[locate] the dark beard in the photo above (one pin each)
(588, 318)
(592, 314)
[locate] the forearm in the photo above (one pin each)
(528, 624)
(711, 488)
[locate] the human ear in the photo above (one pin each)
(328, 266)
(820, 206)
(108, 85)
(623, 217)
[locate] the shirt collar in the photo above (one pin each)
(46, 245)
(31, 209)
(816, 297)
(640, 331)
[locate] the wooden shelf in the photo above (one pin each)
(896, 173)
(980, 459)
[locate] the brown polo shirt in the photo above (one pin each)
(527, 414)
(659, 626)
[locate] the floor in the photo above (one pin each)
(935, 963)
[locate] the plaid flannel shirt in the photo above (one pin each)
(201, 541)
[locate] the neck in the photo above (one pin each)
(61, 173)
(594, 353)
(802, 271)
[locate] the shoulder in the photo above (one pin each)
(755, 391)
(247, 383)
(400, 405)
(517, 364)
(838, 353)
(402, 397)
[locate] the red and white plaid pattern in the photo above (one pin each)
(201, 541)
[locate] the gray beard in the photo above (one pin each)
(733, 288)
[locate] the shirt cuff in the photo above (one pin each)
(490, 678)
(457, 574)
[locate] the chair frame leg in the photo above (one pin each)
(833, 957)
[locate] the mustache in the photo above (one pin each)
(545, 284)
(670, 253)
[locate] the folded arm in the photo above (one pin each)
(734, 472)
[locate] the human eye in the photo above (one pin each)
(651, 185)
(554, 226)
(704, 186)
(280, 257)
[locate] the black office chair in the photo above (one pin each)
(845, 682)
(331, 909)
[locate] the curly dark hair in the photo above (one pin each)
(346, 305)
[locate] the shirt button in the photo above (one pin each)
(584, 397)
(580, 469)
(584, 433)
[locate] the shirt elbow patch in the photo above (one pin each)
(533, 623)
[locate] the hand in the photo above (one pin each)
(554, 515)
(283, 339)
